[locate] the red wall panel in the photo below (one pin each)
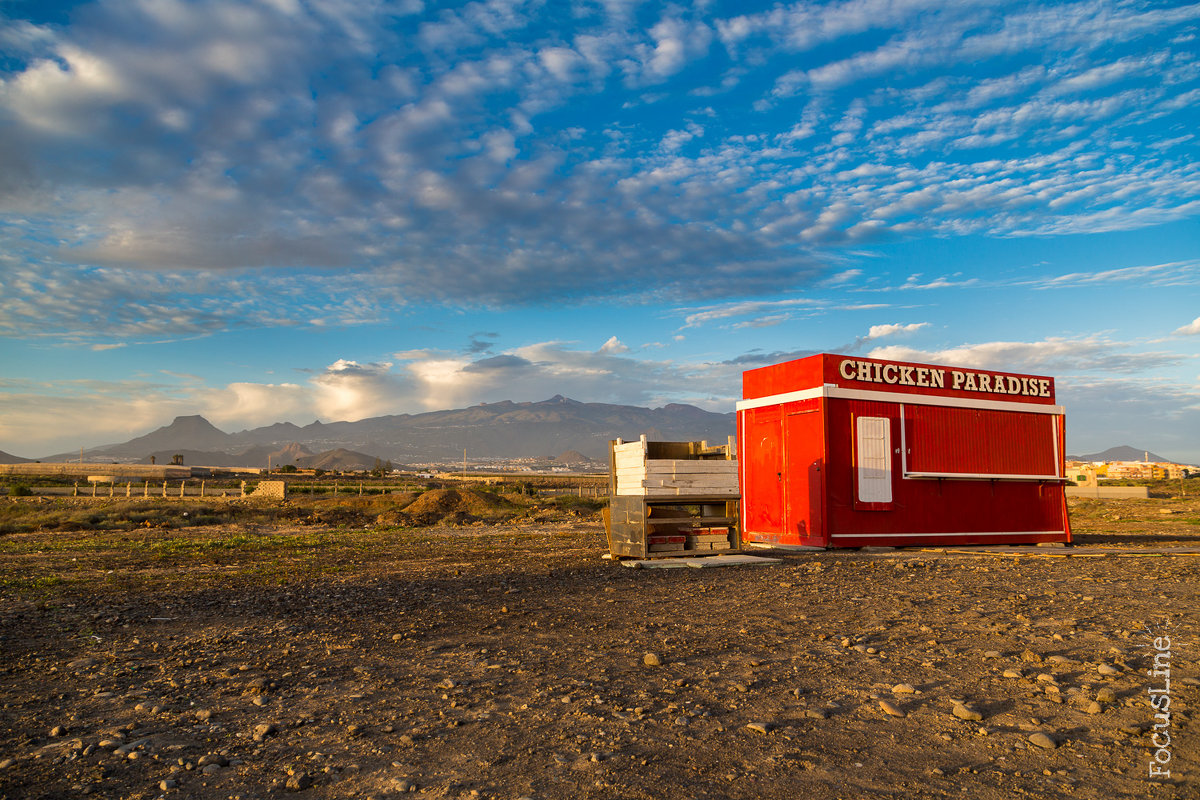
(976, 441)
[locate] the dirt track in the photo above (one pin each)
(507, 662)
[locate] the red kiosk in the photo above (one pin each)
(840, 451)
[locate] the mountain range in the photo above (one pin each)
(489, 430)
(506, 429)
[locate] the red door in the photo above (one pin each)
(762, 496)
(804, 437)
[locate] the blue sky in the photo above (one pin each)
(290, 210)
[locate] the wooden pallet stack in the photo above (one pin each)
(672, 499)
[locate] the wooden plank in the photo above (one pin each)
(691, 465)
(682, 491)
(686, 476)
(612, 473)
(676, 483)
(652, 469)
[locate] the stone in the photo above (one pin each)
(1108, 669)
(759, 727)
(203, 715)
(964, 712)
(210, 769)
(652, 660)
(903, 688)
(1042, 740)
(891, 709)
(264, 730)
(1106, 695)
(1093, 708)
(298, 782)
(992, 654)
(1012, 673)
(405, 785)
(6, 763)
(213, 758)
(168, 783)
(816, 713)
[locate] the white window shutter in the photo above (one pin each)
(874, 460)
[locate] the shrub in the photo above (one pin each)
(19, 490)
(570, 501)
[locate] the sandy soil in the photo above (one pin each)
(511, 661)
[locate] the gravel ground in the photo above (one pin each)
(509, 661)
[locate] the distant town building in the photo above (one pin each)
(1086, 474)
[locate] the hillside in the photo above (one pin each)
(339, 459)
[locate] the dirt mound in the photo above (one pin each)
(451, 505)
(471, 501)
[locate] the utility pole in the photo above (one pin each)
(464, 465)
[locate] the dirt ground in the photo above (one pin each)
(510, 661)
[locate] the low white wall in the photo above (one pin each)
(1108, 492)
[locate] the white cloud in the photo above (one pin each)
(894, 328)
(613, 346)
(743, 309)
(242, 405)
(1084, 354)
(43, 418)
(1171, 274)
(348, 390)
(914, 282)
(1191, 329)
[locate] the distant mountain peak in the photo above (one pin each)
(194, 421)
(1121, 453)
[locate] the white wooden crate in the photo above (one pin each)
(638, 475)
